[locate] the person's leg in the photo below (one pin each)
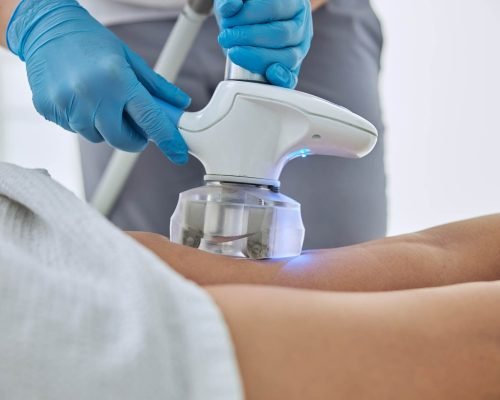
(151, 193)
(441, 343)
(451, 254)
(343, 201)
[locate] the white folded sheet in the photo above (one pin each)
(87, 313)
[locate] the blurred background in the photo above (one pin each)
(440, 86)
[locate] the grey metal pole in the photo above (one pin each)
(169, 64)
(236, 73)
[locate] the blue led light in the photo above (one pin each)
(299, 153)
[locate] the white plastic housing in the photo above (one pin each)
(249, 131)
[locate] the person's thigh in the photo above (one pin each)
(151, 193)
(343, 201)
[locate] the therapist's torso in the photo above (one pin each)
(112, 12)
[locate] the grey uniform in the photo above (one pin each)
(343, 201)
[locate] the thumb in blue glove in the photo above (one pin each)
(87, 80)
(270, 38)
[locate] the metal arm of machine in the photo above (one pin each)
(236, 73)
(168, 65)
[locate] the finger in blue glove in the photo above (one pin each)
(88, 81)
(271, 38)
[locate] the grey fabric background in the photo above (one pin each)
(343, 201)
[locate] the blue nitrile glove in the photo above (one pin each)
(268, 37)
(87, 80)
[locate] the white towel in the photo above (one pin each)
(87, 313)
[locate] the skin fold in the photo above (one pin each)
(409, 317)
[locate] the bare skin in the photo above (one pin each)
(315, 4)
(467, 251)
(7, 7)
(437, 343)
(423, 344)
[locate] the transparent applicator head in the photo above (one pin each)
(238, 220)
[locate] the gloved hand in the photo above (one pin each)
(86, 80)
(268, 37)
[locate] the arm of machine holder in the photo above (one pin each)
(169, 64)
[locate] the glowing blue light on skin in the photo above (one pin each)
(299, 153)
(298, 265)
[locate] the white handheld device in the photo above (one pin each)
(244, 137)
